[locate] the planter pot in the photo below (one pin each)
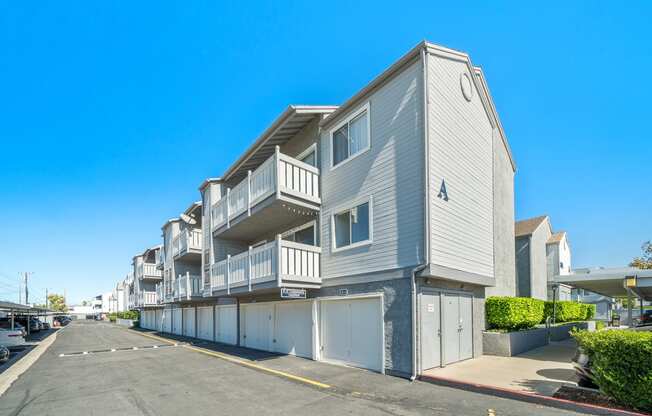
(125, 322)
(512, 343)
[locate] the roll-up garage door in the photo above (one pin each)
(293, 328)
(205, 323)
(159, 319)
(257, 326)
(226, 326)
(167, 320)
(352, 333)
(177, 321)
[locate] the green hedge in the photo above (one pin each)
(621, 364)
(509, 313)
(128, 315)
(568, 311)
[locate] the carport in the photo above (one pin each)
(620, 282)
(12, 309)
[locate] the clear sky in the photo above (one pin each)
(112, 113)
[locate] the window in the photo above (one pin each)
(304, 234)
(309, 155)
(350, 138)
(352, 227)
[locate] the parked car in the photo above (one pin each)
(4, 354)
(582, 365)
(11, 338)
(46, 325)
(61, 320)
(6, 324)
(33, 324)
(646, 318)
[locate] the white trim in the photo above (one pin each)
(310, 149)
(347, 207)
(347, 120)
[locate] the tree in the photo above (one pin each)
(645, 261)
(57, 303)
(84, 303)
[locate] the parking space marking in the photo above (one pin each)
(244, 363)
(141, 348)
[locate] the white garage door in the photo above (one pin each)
(205, 323)
(159, 319)
(256, 326)
(177, 321)
(293, 329)
(167, 320)
(351, 332)
(226, 324)
(189, 322)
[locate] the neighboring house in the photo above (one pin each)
(604, 305)
(540, 255)
(367, 234)
(146, 277)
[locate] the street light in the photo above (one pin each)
(555, 286)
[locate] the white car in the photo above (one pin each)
(11, 338)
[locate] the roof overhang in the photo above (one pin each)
(207, 182)
(286, 126)
(611, 282)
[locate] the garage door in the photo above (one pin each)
(293, 328)
(167, 320)
(205, 323)
(256, 326)
(159, 319)
(189, 322)
(177, 321)
(351, 332)
(226, 324)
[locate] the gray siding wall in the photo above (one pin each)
(308, 136)
(523, 279)
(539, 262)
(225, 247)
(461, 153)
(504, 241)
(391, 171)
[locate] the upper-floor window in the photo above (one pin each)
(351, 227)
(350, 137)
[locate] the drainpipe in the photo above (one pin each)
(413, 282)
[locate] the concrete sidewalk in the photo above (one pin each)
(541, 371)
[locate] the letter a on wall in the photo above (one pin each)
(443, 194)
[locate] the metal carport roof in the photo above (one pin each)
(611, 281)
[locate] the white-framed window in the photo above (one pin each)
(351, 137)
(309, 155)
(304, 234)
(352, 226)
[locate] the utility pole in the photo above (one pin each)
(46, 299)
(25, 277)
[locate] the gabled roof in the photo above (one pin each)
(556, 238)
(410, 58)
(286, 126)
(528, 226)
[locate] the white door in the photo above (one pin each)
(430, 330)
(167, 320)
(256, 325)
(205, 323)
(189, 322)
(457, 327)
(351, 332)
(159, 319)
(177, 321)
(293, 328)
(226, 324)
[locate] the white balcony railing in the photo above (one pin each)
(148, 270)
(298, 263)
(280, 173)
(187, 286)
(147, 298)
(187, 240)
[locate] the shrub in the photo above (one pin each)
(590, 311)
(599, 325)
(621, 364)
(504, 312)
(133, 315)
(113, 316)
(566, 311)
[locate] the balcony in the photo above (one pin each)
(187, 287)
(272, 196)
(160, 259)
(148, 271)
(188, 242)
(260, 268)
(147, 298)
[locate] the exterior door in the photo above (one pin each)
(189, 322)
(430, 330)
(457, 323)
(293, 328)
(177, 321)
(351, 332)
(257, 325)
(466, 327)
(205, 323)
(226, 327)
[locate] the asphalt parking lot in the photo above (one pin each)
(92, 368)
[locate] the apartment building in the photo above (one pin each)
(145, 278)
(367, 234)
(541, 254)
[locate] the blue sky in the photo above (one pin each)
(114, 112)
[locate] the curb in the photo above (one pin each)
(529, 397)
(8, 377)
